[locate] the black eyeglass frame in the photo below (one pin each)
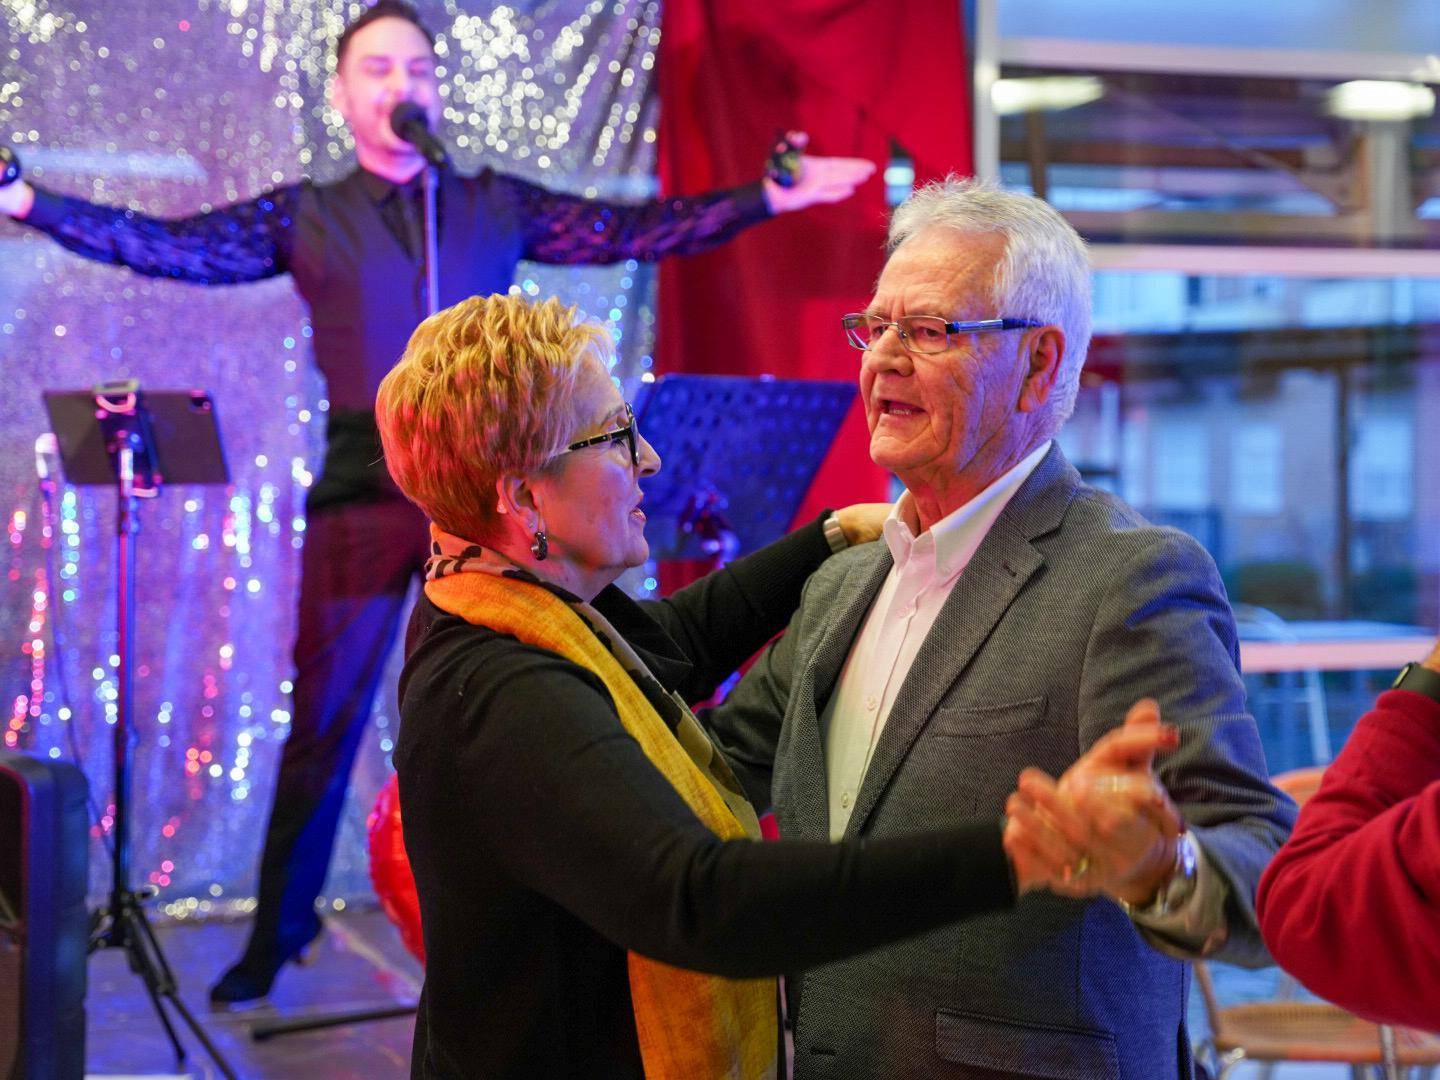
(856, 319)
(630, 431)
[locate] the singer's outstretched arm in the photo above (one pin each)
(246, 241)
(561, 228)
(568, 229)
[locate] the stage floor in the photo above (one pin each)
(359, 963)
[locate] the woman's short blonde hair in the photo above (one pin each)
(483, 390)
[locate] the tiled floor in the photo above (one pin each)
(359, 963)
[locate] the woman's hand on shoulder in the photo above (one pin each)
(862, 522)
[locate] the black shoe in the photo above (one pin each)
(249, 981)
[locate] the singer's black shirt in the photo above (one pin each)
(353, 248)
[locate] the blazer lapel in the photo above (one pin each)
(991, 581)
(801, 795)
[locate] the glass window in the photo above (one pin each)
(1180, 458)
(1381, 467)
(1297, 456)
(1134, 156)
(1256, 467)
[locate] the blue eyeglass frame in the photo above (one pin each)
(856, 319)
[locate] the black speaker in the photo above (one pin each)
(44, 927)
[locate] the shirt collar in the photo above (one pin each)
(379, 189)
(953, 540)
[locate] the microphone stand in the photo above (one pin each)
(410, 123)
(126, 926)
(430, 186)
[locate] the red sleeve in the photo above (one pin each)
(1351, 904)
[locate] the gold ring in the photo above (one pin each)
(1081, 868)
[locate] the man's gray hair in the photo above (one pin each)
(1043, 275)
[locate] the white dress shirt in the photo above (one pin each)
(926, 569)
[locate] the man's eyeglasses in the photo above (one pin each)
(629, 434)
(921, 333)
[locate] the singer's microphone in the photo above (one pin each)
(409, 121)
(9, 166)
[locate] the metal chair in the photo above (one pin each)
(1316, 1031)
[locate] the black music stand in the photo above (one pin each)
(139, 441)
(739, 454)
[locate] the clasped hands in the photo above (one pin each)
(1107, 825)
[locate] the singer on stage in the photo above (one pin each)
(355, 250)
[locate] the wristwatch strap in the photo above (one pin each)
(1420, 679)
(1177, 888)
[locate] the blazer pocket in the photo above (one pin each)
(1021, 1048)
(972, 721)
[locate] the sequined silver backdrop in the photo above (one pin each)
(167, 106)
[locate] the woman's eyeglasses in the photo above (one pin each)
(629, 434)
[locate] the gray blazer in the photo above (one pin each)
(1072, 608)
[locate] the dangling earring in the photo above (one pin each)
(541, 547)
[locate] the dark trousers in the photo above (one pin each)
(356, 567)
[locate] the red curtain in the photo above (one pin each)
(859, 76)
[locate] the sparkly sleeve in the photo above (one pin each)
(246, 241)
(568, 229)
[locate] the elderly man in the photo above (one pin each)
(1010, 618)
